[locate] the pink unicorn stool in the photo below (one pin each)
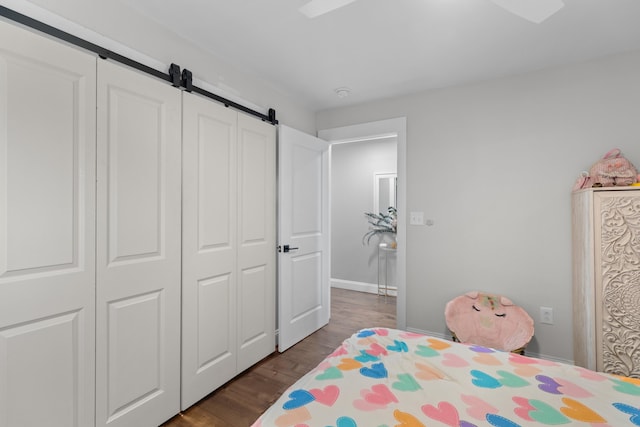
(490, 321)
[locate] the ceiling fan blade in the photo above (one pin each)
(320, 7)
(532, 10)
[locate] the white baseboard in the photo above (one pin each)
(350, 285)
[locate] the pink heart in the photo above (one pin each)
(545, 362)
(363, 405)
(323, 366)
(326, 396)
(445, 412)
(590, 375)
(379, 395)
(338, 352)
(411, 335)
(454, 361)
(382, 332)
(523, 409)
(376, 350)
(522, 360)
(478, 408)
(570, 389)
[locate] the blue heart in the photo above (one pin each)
(366, 357)
(366, 333)
(399, 346)
(498, 421)
(628, 409)
(484, 380)
(298, 398)
(377, 370)
(466, 424)
(346, 422)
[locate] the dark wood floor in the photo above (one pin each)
(242, 400)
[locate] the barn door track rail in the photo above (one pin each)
(175, 76)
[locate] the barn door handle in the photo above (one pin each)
(286, 248)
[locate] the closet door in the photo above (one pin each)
(256, 240)
(47, 243)
(209, 279)
(138, 249)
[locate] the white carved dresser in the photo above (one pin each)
(606, 279)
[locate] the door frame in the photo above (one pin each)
(365, 131)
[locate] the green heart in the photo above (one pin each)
(406, 383)
(508, 379)
(425, 351)
(627, 388)
(331, 373)
(546, 414)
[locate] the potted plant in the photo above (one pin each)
(381, 223)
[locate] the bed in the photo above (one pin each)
(382, 377)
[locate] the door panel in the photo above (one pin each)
(209, 278)
(28, 357)
(135, 159)
(135, 334)
(138, 249)
(306, 273)
(256, 240)
(303, 224)
(47, 230)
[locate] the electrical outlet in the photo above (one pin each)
(546, 315)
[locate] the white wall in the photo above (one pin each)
(493, 165)
(353, 166)
(115, 25)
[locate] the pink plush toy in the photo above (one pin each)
(489, 320)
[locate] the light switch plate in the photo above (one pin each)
(416, 218)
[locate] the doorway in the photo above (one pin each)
(363, 189)
(379, 130)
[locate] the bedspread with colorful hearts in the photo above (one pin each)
(385, 377)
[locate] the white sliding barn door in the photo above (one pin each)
(138, 249)
(256, 240)
(209, 277)
(303, 225)
(228, 273)
(47, 234)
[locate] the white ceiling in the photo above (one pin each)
(383, 48)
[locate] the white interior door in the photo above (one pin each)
(303, 236)
(47, 225)
(209, 277)
(256, 315)
(138, 249)
(228, 316)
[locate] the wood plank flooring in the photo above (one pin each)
(241, 401)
